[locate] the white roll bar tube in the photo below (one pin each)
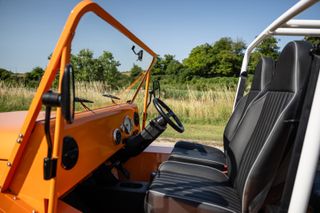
(308, 160)
(282, 21)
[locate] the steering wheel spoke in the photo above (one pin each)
(170, 113)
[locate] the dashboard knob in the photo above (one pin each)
(117, 136)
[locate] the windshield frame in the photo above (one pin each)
(59, 59)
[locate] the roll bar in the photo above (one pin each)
(284, 25)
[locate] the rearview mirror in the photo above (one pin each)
(139, 54)
(68, 94)
(154, 92)
(156, 89)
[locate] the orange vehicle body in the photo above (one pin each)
(23, 140)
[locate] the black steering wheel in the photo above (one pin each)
(167, 113)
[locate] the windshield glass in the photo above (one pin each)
(108, 66)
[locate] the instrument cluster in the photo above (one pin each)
(126, 128)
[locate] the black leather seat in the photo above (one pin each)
(182, 187)
(266, 128)
(191, 152)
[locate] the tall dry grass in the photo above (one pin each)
(192, 106)
(15, 97)
(203, 107)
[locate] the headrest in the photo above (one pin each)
(263, 73)
(293, 67)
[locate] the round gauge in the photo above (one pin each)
(127, 125)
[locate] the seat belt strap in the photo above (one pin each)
(241, 88)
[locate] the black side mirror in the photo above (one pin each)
(65, 100)
(68, 94)
(154, 92)
(156, 89)
(139, 54)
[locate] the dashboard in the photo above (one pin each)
(98, 136)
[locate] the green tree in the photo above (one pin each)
(84, 65)
(225, 64)
(199, 60)
(313, 40)
(32, 78)
(268, 48)
(104, 68)
(135, 72)
(167, 59)
(157, 68)
(167, 65)
(222, 58)
(35, 74)
(5, 74)
(107, 69)
(227, 57)
(174, 67)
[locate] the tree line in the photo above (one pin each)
(223, 58)
(86, 68)
(220, 60)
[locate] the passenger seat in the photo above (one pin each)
(267, 128)
(191, 152)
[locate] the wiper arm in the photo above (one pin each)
(110, 96)
(82, 101)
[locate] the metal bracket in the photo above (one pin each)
(49, 168)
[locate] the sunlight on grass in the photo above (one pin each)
(212, 133)
(204, 113)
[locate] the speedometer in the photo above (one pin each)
(127, 125)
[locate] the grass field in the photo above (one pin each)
(207, 132)
(204, 113)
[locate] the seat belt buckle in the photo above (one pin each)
(225, 169)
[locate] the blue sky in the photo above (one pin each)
(30, 29)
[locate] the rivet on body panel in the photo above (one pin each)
(19, 139)
(9, 164)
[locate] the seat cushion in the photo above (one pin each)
(190, 152)
(194, 188)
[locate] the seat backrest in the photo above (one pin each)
(262, 77)
(268, 123)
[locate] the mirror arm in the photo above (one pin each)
(150, 97)
(49, 164)
(47, 131)
(49, 99)
(151, 94)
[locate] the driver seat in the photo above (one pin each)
(190, 152)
